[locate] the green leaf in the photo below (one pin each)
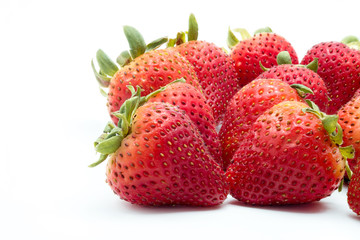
(110, 145)
(171, 42)
(232, 40)
(283, 58)
(180, 38)
(102, 158)
(156, 43)
(124, 58)
(136, 41)
(302, 90)
(313, 65)
(330, 122)
(103, 93)
(263, 30)
(193, 28)
(347, 152)
(349, 39)
(313, 106)
(103, 80)
(337, 135)
(106, 65)
(243, 32)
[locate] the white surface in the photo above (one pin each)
(52, 111)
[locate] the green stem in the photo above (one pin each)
(283, 58)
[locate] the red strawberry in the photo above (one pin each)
(287, 158)
(357, 93)
(214, 68)
(339, 67)
(353, 194)
(349, 120)
(297, 74)
(263, 47)
(246, 106)
(159, 158)
(149, 70)
(192, 101)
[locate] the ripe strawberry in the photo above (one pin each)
(288, 157)
(349, 120)
(297, 74)
(263, 47)
(353, 194)
(339, 67)
(158, 157)
(192, 101)
(149, 70)
(246, 106)
(214, 68)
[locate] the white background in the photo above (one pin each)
(51, 111)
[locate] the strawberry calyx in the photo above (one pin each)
(284, 58)
(232, 40)
(137, 47)
(112, 136)
(331, 125)
(192, 33)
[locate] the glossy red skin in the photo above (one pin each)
(193, 102)
(215, 71)
(339, 67)
(349, 120)
(293, 74)
(263, 47)
(246, 106)
(150, 71)
(287, 158)
(353, 194)
(164, 162)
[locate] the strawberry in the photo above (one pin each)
(157, 157)
(339, 67)
(263, 47)
(349, 120)
(289, 156)
(246, 106)
(143, 66)
(353, 194)
(299, 74)
(214, 68)
(193, 102)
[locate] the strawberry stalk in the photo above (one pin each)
(112, 136)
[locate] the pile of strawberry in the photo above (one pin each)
(192, 123)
